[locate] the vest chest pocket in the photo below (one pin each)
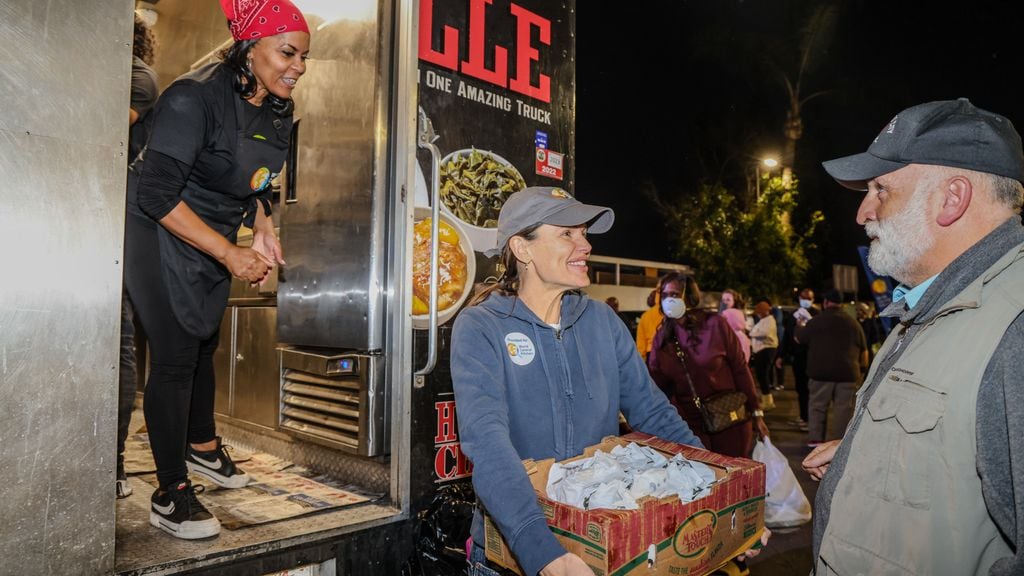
(904, 431)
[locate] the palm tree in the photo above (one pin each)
(814, 39)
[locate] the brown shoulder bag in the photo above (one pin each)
(721, 410)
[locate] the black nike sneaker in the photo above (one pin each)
(216, 466)
(179, 513)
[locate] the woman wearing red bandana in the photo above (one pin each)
(219, 135)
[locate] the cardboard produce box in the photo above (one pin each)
(663, 536)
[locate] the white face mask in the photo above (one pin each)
(673, 307)
(805, 303)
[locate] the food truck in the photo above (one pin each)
(414, 122)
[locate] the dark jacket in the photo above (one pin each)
(835, 346)
(790, 349)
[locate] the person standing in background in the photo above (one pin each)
(796, 353)
(778, 374)
(613, 303)
(872, 328)
(738, 324)
(696, 346)
(649, 322)
(144, 93)
(730, 299)
(145, 88)
(837, 355)
(764, 342)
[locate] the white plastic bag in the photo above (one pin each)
(785, 503)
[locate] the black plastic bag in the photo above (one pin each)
(443, 529)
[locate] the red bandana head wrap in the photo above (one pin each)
(253, 19)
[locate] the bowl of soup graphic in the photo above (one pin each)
(456, 268)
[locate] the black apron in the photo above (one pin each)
(198, 285)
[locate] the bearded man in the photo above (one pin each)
(929, 477)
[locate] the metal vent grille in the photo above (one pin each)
(327, 407)
(330, 400)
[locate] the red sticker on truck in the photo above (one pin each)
(549, 163)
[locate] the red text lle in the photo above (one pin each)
(448, 55)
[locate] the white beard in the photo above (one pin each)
(901, 239)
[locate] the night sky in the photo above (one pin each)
(634, 131)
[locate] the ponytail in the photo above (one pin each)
(507, 283)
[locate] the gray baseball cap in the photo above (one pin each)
(547, 205)
(945, 133)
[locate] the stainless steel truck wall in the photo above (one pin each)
(64, 84)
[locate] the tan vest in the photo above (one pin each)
(910, 500)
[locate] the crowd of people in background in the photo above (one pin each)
(771, 336)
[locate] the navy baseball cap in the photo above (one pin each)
(945, 133)
(547, 205)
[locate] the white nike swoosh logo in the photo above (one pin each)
(165, 510)
(214, 464)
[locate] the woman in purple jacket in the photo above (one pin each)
(711, 357)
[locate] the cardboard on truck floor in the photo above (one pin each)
(138, 456)
(273, 493)
(664, 536)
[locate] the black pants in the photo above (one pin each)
(179, 393)
(779, 374)
(126, 377)
(763, 365)
(800, 379)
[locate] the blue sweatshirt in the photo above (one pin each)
(526, 390)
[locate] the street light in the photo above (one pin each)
(769, 164)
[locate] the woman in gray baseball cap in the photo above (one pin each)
(542, 371)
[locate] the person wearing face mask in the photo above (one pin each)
(730, 299)
(738, 322)
(796, 353)
(542, 371)
(837, 356)
(712, 359)
(218, 136)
